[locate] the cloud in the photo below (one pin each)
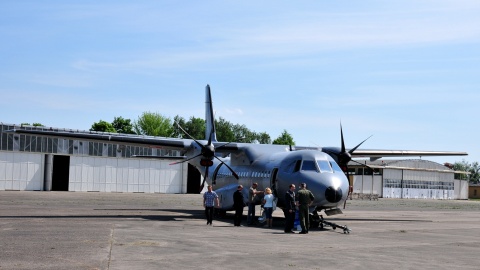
(307, 33)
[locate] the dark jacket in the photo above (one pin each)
(289, 200)
(238, 199)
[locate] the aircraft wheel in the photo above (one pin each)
(314, 221)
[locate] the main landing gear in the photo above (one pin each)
(317, 221)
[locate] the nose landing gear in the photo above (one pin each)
(334, 225)
(318, 221)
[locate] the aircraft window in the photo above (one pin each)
(309, 165)
(336, 167)
(324, 166)
(297, 166)
(289, 167)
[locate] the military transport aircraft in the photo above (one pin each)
(225, 165)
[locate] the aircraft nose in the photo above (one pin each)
(333, 194)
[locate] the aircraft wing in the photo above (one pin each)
(138, 140)
(372, 153)
(379, 153)
(145, 141)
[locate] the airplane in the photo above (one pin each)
(225, 165)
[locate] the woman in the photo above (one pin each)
(268, 206)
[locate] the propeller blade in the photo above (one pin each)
(185, 160)
(204, 179)
(233, 172)
(341, 136)
(355, 148)
(224, 145)
(201, 145)
(365, 165)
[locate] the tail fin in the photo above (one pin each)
(210, 132)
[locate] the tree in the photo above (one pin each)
(285, 139)
(177, 132)
(103, 126)
(122, 125)
(224, 130)
(461, 167)
(473, 169)
(263, 138)
(153, 124)
(474, 172)
(243, 134)
(195, 127)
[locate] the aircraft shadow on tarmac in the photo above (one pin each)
(182, 214)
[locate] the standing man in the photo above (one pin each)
(209, 199)
(238, 205)
(289, 210)
(252, 199)
(304, 200)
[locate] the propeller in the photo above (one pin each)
(207, 154)
(342, 156)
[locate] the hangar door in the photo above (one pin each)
(60, 172)
(194, 180)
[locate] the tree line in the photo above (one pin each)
(155, 124)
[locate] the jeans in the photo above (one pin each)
(289, 220)
(251, 213)
(209, 214)
(237, 220)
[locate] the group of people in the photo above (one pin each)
(299, 201)
(238, 204)
(302, 200)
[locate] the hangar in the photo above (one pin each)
(406, 179)
(29, 162)
(54, 164)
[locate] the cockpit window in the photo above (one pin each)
(336, 167)
(309, 165)
(297, 166)
(324, 166)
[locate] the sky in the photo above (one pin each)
(406, 72)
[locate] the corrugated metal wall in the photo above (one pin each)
(461, 190)
(417, 184)
(126, 175)
(368, 184)
(21, 171)
(422, 180)
(25, 171)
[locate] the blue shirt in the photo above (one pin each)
(210, 198)
(268, 200)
